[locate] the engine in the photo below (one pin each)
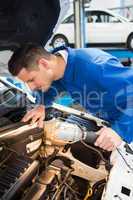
(45, 164)
(60, 162)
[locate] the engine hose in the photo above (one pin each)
(88, 194)
(61, 186)
(100, 154)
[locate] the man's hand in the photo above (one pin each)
(35, 115)
(108, 139)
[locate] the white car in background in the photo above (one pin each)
(103, 27)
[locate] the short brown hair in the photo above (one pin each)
(26, 57)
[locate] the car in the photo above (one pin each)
(103, 27)
(37, 163)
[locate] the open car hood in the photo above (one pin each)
(29, 21)
(21, 22)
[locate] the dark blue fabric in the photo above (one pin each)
(100, 83)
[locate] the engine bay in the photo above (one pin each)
(60, 161)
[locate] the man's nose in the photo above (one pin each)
(32, 86)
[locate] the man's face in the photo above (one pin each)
(37, 79)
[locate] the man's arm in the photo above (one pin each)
(124, 125)
(122, 129)
(117, 102)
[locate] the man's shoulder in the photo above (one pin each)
(92, 52)
(85, 55)
(81, 51)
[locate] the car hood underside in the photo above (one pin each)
(27, 21)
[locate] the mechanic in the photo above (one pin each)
(93, 78)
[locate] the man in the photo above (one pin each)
(95, 79)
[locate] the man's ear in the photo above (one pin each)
(44, 63)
